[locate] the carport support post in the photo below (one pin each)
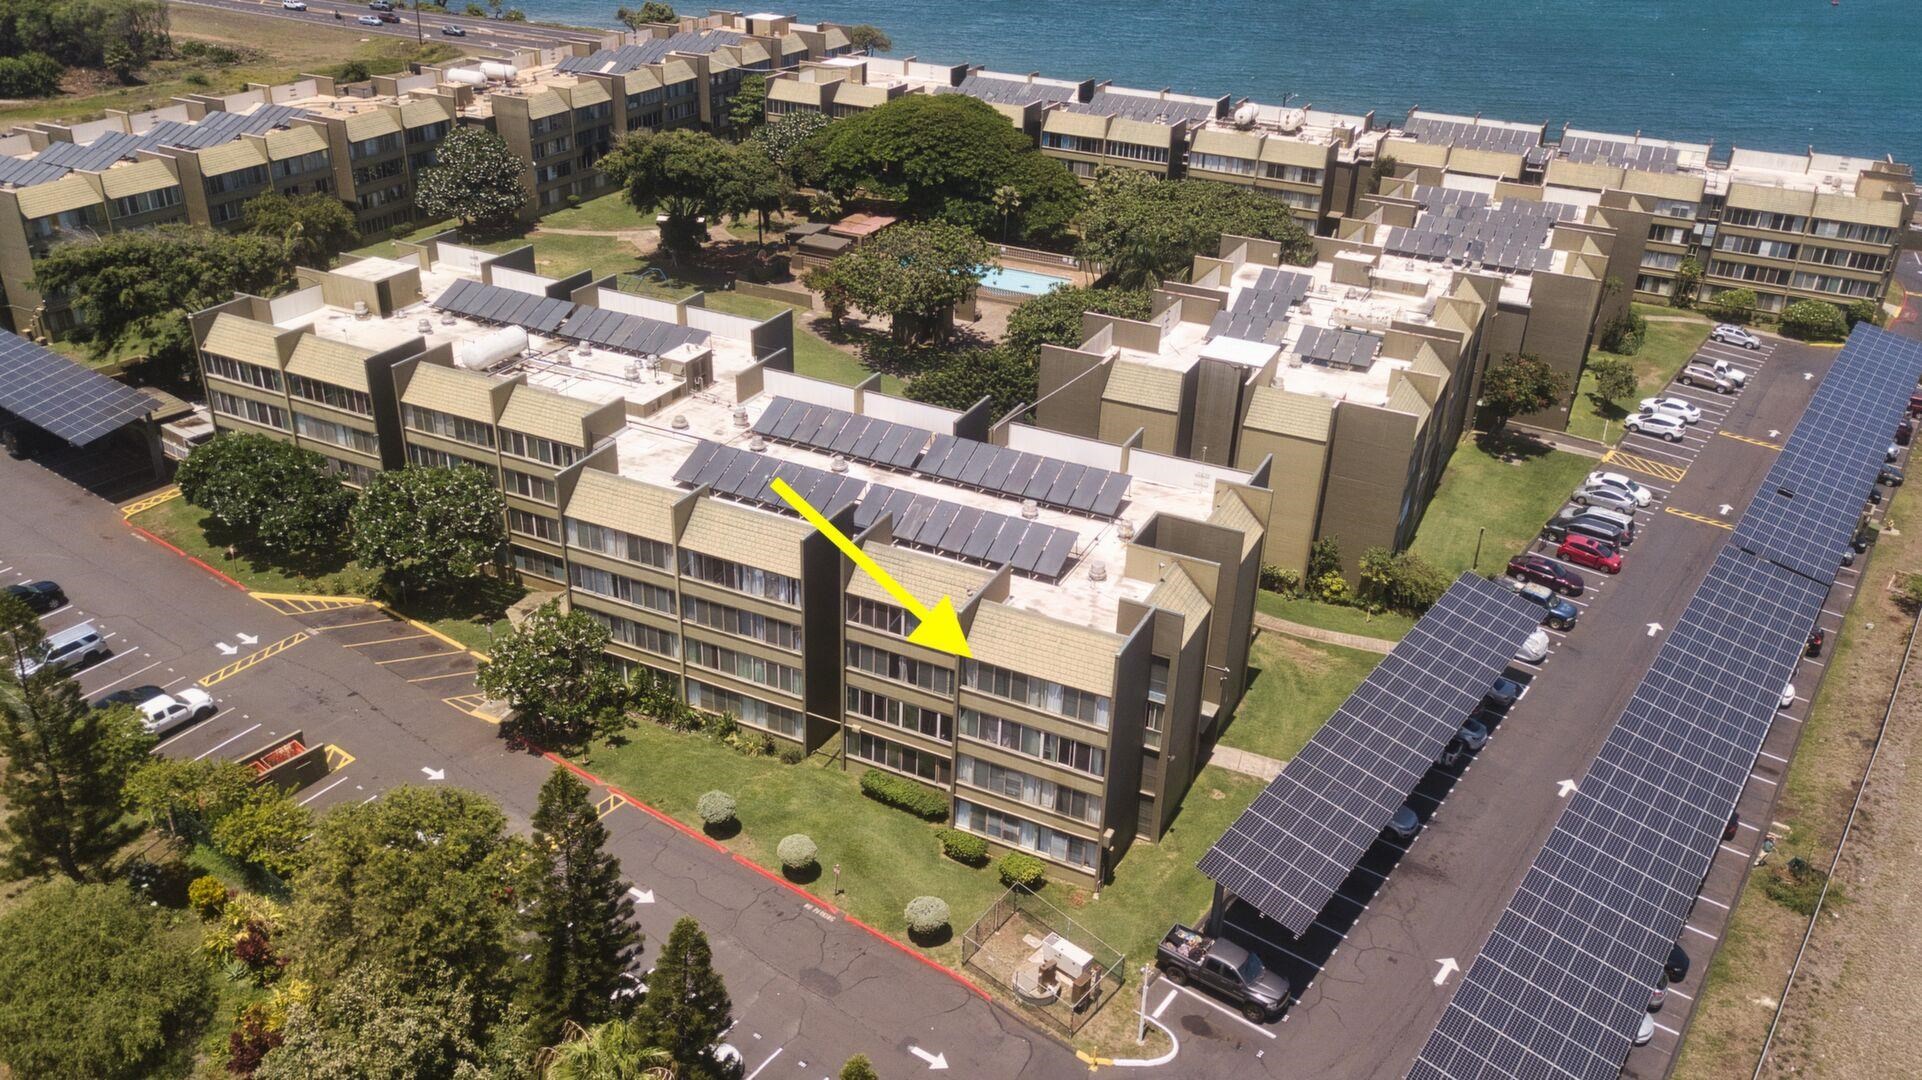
(1211, 926)
(1141, 1029)
(1476, 562)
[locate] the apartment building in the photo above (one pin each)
(1303, 157)
(1107, 591)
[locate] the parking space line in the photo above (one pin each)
(123, 678)
(1225, 1010)
(1698, 930)
(148, 503)
(1737, 852)
(1636, 463)
(253, 658)
(1165, 1002)
(470, 704)
(225, 741)
(1763, 779)
(449, 675)
(383, 641)
(423, 656)
(1668, 1029)
(1699, 518)
(351, 625)
(765, 1064)
(1677, 993)
(338, 780)
(179, 735)
(1712, 900)
(1773, 757)
(1752, 442)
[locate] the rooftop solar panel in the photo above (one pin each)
(1292, 848)
(59, 396)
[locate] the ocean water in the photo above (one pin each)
(1767, 74)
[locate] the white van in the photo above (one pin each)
(67, 649)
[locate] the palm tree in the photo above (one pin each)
(1007, 199)
(610, 1051)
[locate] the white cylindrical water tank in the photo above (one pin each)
(494, 69)
(466, 77)
(491, 348)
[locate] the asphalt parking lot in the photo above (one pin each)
(1374, 973)
(394, 705)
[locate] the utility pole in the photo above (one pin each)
(1476, 562)
(420, 36)
(1141, 1029)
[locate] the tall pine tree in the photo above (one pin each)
(581, 915)
(687, 1006)
(66, 764)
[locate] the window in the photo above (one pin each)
(1222, 163)
(305, 163)
(1755, 245)
(369, 200)
(1854, 260)
(423, 159)
(873, 749)
(222, 213)
(547, 174)
(310, 427)
(537, 488)
(254, 412)
(751, 711)
(869, 705)
(618, 587)
(1762, 219)
(369, 174)
(251, 177)
(1137, 152)
(1830, 283)
(538, 563)
(538, 526)
(353, 473)
(374, 147)
(1668, 234)
(1074, 144)
(558, 145)
(1034, 743)
(1661, 260)
(1762, 275)
(744, 666)
(747, 624)
(1294, 174)
(534, 448)
(619, 545)
(1298, 199)
(1676, 208)
(146, 202)
(428, 457)
(1037, 693)
(1033, 790)
(337, 397)
(1849, 230)
(254, 375)
(427, 133)
(1022, 833)
(876, 615)
(1157, 698)
(751, 580)
(1660, 286)
(637, 634)
(933, 678)
(448, 426)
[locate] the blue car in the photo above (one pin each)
(1557, 613)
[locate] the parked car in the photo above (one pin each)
(1730, 334)
(1473, 734)
(1788, 695)
(1889, 475)
(1535, 649)
(387, 16)
(1504, 694)
(1660, 997)
(169, 711)
(1542, 570)
(1904, 431)
(1621, 521)
(368, 20)
(1656, 426)
(132, 695)
(1223, 968)
(1674, 406)
(1557, 613)
(1705, 376)
(1915, 403)
(1646, 1031)
(1405, 824)
(381, 5)
(1642, 494)
(294, 5)
(453, 31)
(1591, 553)
(1586, 521)
(1676, 966)
(76, 646)
(1607, 496)
(1734, 823)
(1735, 376)
(39, 596)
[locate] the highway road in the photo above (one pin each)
(482, 34)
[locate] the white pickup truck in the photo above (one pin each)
(168, 711)
(1720, 376)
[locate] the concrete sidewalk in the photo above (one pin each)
(1316, 633)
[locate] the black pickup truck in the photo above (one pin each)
(1223, 968)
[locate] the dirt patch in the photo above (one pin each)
(1289, 650)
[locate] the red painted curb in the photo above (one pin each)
(186, 556)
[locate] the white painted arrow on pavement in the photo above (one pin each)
(1654, 628)
(1775, 433)
(1807, 375)
(247, 639)
(641, 896)
(1567, 787)
(434, 774)
(1448, 967)
(1725, 509)
(225, 649)
(935, 1061)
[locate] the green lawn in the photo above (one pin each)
(813, 355)
(888, 857)
(604, 212)
(1346, 620)
(469, 620)
(1667, 346)
(1509, 496)
(1294, 686)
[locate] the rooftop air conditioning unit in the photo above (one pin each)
(679, 423)
(838, 464)
(1097, 571)
(756, 444)
(740, 417)
(360, 309)
(1030, 509)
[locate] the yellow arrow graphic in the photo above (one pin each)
(940, 629)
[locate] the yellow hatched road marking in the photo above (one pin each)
(337, 758)
(142, 505)
(1718, 523)
(383, 641)
(470, 704)
(304, 604)
(608, 805)
(1657, 469)
(422, 656)
(449, 675)
(1751, 442)
(253, 658)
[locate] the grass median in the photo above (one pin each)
(1507, 487)
(1294, 686)
(1666, 347)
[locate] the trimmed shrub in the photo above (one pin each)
(927, 914)
(30, 75)
(963, 847)
(1280, 579)
(1733, 305)
(1814, 320)
(1864, 310)
(904, 794)
(717, 808)
(207, 895)
(796, 851)
(1023, 870)
(793, 755)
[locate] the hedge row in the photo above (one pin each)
(905, 794)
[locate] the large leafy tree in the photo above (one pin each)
(428, 527)
(421, 885)
(654, 11)
(784, 137)
(136, 288)
(552, 670)
(687, 1006)
(690, 177)
(1002, 374)
(1614, 378)
(1054, 317)
(914, 273)
(86, 33)
(944, 156)
(371, 1023)
(1518, 385)
(747, 109)
(609, 1051)
(66, 763)
(475, 179)
(315, 227)
(1144, 229)
(93, 983)
(760, 187)
(184, 796)
(580, 914)
(280, 493)
(266, 828)
(870, 38)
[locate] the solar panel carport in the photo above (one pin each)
(59, 396)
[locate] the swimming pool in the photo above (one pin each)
(1024, 282)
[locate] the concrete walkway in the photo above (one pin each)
(1241, 761)
(1674, 318)
(1316, 633)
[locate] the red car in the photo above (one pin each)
(1590, 552)
(1548, 572)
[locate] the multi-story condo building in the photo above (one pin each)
(1106, 590)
